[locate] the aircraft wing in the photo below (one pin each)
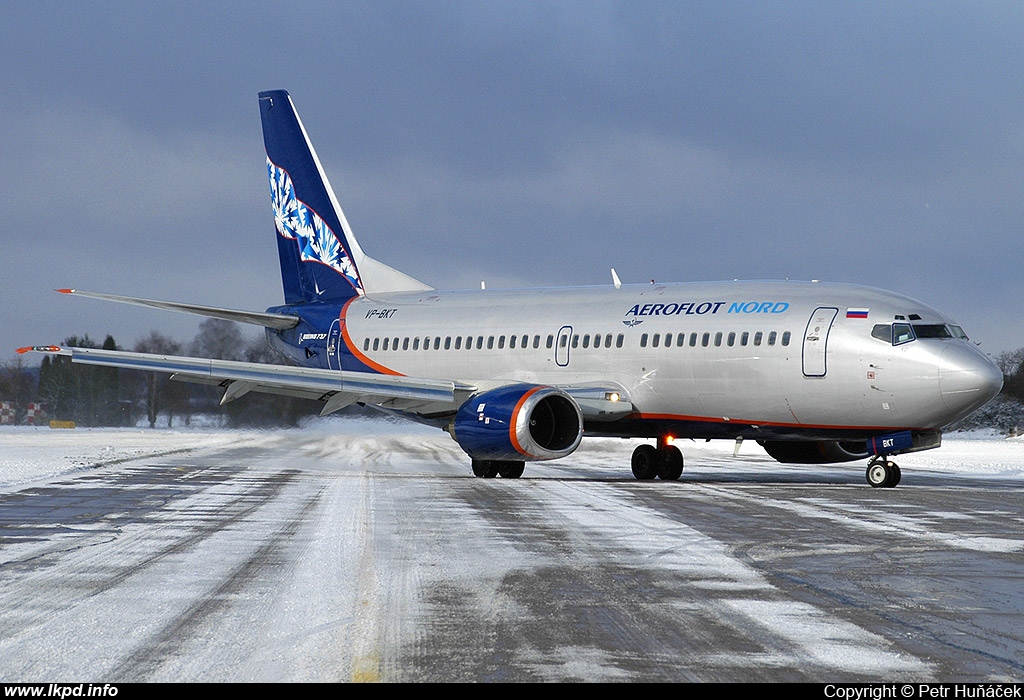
(336, 388)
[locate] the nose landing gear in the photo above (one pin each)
(883, 472)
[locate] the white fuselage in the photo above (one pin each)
(793, 356)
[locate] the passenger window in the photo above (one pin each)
(771, 337)
(785, 338)
(731, 339)
(643, 340)
(745, 338)
(619, 340)
(693, 340)
(757, 337)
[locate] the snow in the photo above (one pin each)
(335, 577)
(30, 454)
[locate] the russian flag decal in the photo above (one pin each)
(856, 313)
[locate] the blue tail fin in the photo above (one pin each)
(317, 263)
(320, 257)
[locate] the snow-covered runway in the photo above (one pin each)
(362, 550)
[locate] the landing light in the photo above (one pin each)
(612, 396)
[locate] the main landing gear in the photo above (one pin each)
(490, 468)
(664, 461)
(883, 472)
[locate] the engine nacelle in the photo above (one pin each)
(519, 422)
(816, 452)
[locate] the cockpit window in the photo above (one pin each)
(902, 333)
(899, 333)
(931, 330)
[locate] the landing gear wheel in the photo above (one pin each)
(645, 462)
(670, 467)
(485, 468)
(490, 468)
(511, 470)
(896, 474)
(883, 473)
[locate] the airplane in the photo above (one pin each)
(814, 372)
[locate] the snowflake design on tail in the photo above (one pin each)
(296, 221)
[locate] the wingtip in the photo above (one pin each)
(52, 349)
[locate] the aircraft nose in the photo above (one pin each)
(968, 379)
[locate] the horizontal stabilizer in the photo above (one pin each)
(256, 318)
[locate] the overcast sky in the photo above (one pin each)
(521, 143)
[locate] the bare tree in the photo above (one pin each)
(1012, 364)
(17, 385)
(157, 392)
(218, 339)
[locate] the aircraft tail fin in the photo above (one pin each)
(320, 257)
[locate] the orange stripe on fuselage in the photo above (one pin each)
(358, 354)
(774, 424)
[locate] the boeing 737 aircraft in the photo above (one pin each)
(814, 372)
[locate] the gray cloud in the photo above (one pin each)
(521, 143)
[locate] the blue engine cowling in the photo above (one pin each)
(519, 422)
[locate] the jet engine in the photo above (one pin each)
(817, 452)
(518, 422)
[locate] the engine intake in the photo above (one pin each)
(518, 422)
